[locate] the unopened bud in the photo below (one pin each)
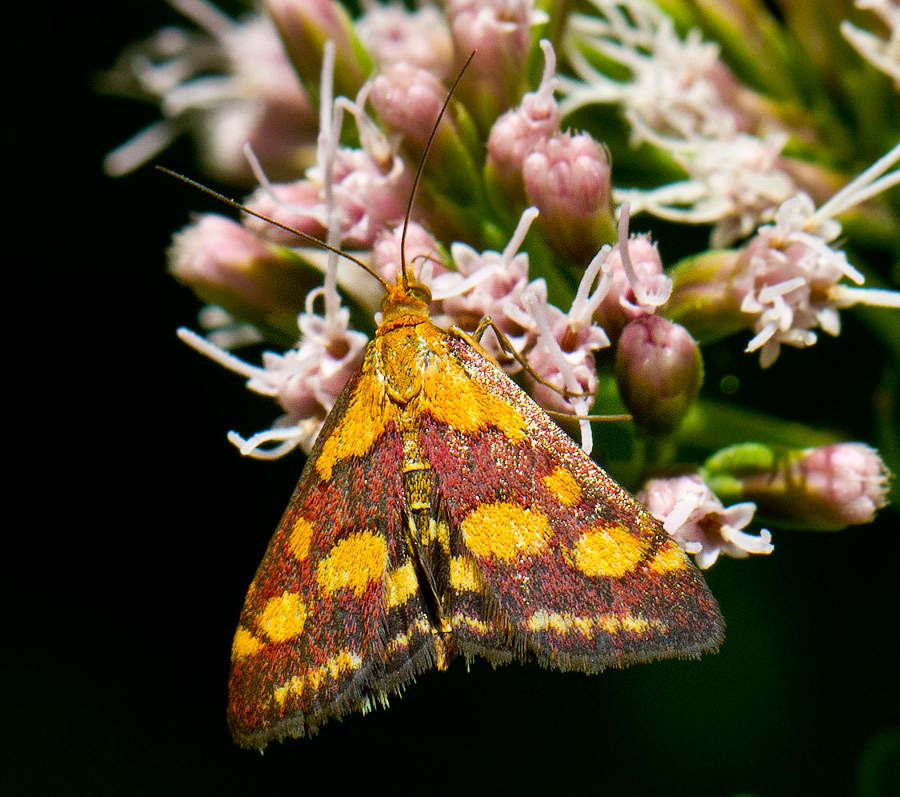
(567, 179)
(226, 265)
(659, 370)
(825, 488)
(305, 26)
(499, 32)
(409, 99)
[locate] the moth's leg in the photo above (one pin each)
(474, 339)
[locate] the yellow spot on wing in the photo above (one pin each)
(565, 487)
(301, 534)
(400, 585)
(566, 623)
(610, 551)
(283, 617)
(561, 622)
(464, 575)
(364, 421)
(505, 531)
(635, 623)
(345, 661)
(292, 687)
(451, 396)
(669, 558)
(401, 640)
(459, 620)
(354, 563)
(245, 644)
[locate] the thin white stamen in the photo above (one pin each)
(330, 119)
(585, 304)
(326, 93)
(269, 190)
(570, 382)
(515, 243)
(770, 292)
(457, 286)
(549, 81)
(140, 148)
(875, 50)
(758, 340)
(371, 138)
(857, 191)
(227, 360)
(680, 513)
(838, 259)
(650, 296)
(258, 171)
(748, 542)
(205, 15)
(548, 339)
(847, 296)
(291, 436)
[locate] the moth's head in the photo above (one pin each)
(412, 299)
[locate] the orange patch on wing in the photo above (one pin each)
(564, 486)
(669, 559)
(608, 551)
(283, 617)
(363, 422)
(505, 530)
(451, 396)
(354, 563)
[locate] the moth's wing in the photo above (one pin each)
(550, 558)
(333, 619)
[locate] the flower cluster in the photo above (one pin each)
(524, 214)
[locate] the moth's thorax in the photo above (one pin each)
(405, 347)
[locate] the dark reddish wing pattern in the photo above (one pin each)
(581, 576)
(441, 513)
(306, 651)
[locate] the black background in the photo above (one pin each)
(133, 529)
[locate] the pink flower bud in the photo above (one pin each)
(827, 488)
(499, 32)
(366, 199)
(659, 371)
(305, 26)
(567, 179)
(420, 38)
(224, 264)
(298, 205)
(408, 99)
(517, 132)
(622, 304)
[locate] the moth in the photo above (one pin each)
(442, 513)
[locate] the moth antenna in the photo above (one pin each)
(564, 416)
(310, 239)
(404, 277)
